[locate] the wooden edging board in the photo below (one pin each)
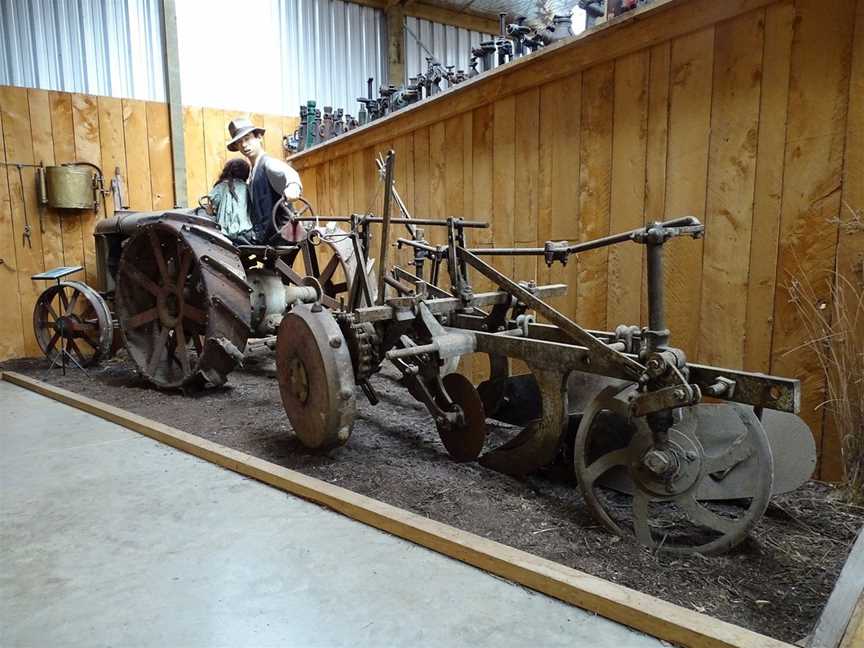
(621, 604)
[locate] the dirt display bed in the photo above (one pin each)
(776, 582)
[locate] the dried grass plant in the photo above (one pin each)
(835, 334)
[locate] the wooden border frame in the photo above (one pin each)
(626, 606)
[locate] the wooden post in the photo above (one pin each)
(171, 61)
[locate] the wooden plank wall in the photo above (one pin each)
(738, 113)
(132, 135)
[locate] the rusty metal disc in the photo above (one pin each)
(316, 379)
(665, 508)
(464, 442)
(71, 316)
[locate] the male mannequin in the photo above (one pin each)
(269, 180)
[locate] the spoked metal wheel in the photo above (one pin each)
(316, 379)
(663, 503)
(72, 316)
(183, 303)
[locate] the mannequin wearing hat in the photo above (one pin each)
(269, 180)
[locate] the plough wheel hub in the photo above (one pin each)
(666, 507)
(316, 379)
(464, 442)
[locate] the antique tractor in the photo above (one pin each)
(625, 409)
(184, 297)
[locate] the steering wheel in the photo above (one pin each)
(206, 204)
(285, 218)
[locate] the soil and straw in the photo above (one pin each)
(834, 333)
(776, 582)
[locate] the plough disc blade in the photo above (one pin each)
(464, 442)
(790, 440)
(537, 444)
(517, 399)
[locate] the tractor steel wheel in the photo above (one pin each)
(72, 316)
(183, 303)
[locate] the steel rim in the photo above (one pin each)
(73, 316)
(162, 306)
(683, 524)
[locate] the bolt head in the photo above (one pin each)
(656, 461)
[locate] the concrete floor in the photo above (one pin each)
(108, 538)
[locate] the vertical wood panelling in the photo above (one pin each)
(159, 147)
(421, 173)
(731, 181)
(137, 156)
(112, 142)
(769, 186)
(691, 72)
(406, 181)
(336, 188)
(628, 187)
(215, 153)
(197, 182)
(503, 179)
(594, 191)
(454, 189)
(326, 202)
(309, 180)
(454, 167)
(64, 151)
(480, 190)
(559, 168)
(18, 143)
(346, 172)
(655, 151)
(273, 132)
(43, 153)
(850, 248)
(818, 100)
(12, 338)
(437, 181)
(85, 119)
(359, 190)
(480, 196)
(404, 147)
(527, 166)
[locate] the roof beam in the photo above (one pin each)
(473, 21)
(467, 20)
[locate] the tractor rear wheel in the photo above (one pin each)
(183, 303)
